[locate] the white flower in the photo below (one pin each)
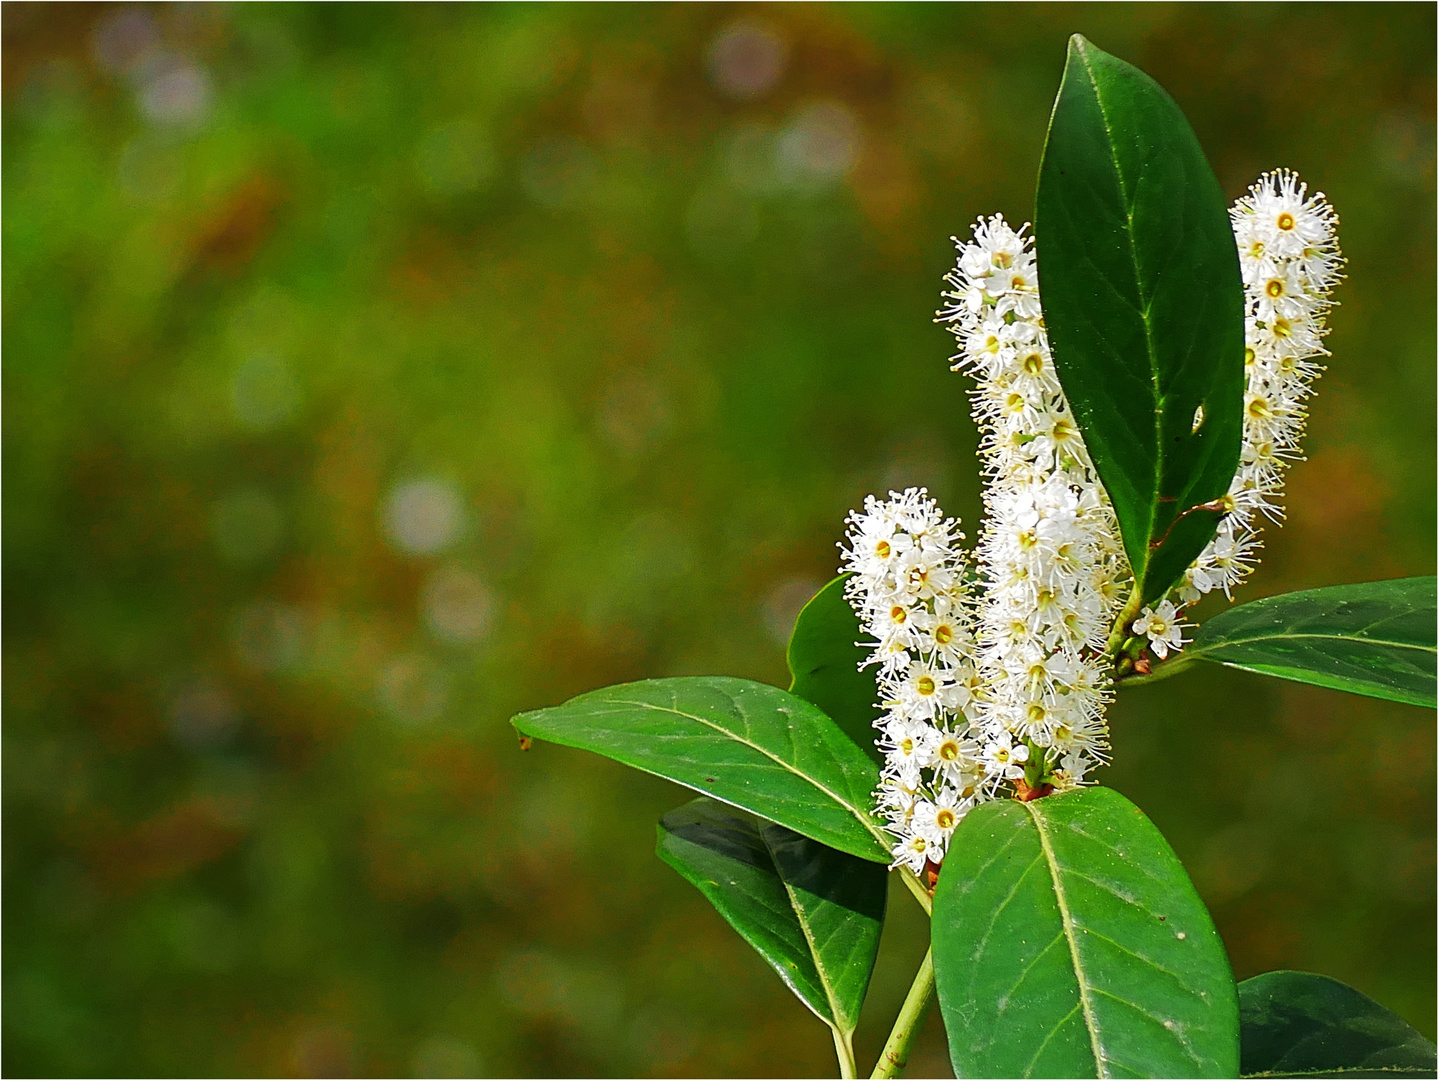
(914, 850)
(936, 820)
(1003, 758)
(1161, 627)
(906, 740)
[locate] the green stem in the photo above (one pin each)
(906, 1027)
(1161, 671)
(844, 1048)
(1125, 619)
(916, 887)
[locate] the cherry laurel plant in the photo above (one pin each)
(1138, 409)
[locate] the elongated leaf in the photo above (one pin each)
(1144, 306)
(815, 914)
(747, 744)
(1068, 941)
(1375, 639)
(824, 660)
(1297, 1024)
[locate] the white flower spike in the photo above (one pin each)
(1288, 253)
(990, 688)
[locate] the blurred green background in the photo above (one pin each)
(372, 373)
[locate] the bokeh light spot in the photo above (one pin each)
(203, 716)
(270, 636)
(634, 414)
(176, 92)
(747, 59)
(124, 40)
(422, 516)
(458, 606)
(414, 689)
(818, 146)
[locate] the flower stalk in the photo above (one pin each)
(906, 1028)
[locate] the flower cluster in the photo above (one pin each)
(1001, 688)
(1288, 252)
(1051, 562)
(910, 589)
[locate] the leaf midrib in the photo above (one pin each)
(1315, 637)
(1143, 314)
(859, 815)
(819, 969)
(1066, 918)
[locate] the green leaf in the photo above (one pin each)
(815, 914)
(1297, 1024)
(1376, 639)
(1068, 941)
(744, 743)
(824, 660)
(1143, 302)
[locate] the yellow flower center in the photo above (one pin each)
(1281, 329)
(925, 685)
(1033, 363)
(898, 614)
(1285, 221)
(1249, 356)
(1036, 713)
(1274, 289)
(943, 633)
(1003, 260)
(949, 750)
(1258, 408)
(882, 549)
(945, 819)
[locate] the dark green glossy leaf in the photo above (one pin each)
(1068, 941)
(1376, 638)
(815, 914)
(824, 660)
(1144, 306)
(747, 744)
(1297, 1024)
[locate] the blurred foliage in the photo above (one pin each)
(375, 372)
